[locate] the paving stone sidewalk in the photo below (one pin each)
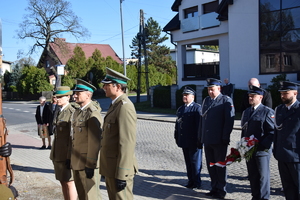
(161, 185)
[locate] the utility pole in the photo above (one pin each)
(145, 57)
(124, 63)
(139, 37)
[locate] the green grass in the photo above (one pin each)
(145, 106)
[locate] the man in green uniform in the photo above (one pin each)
(61, 148)
(117, 161)
(86, 137)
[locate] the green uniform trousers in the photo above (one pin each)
(114, 194)
(87, 189)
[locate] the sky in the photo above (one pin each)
(101, 17)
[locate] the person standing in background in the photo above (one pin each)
(52, 108)
(42, 120)
(187, 127)
(267, 99)
(227, 88)
(62, 142)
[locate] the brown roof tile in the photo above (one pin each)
(66, 54)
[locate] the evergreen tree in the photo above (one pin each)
(76, 67)
(157, 53)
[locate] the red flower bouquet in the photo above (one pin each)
(245, 149)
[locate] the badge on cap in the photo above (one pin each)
(188, 90)
(113, 76)
(255, 90)
(286, 86)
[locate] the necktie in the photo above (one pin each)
(252, 110)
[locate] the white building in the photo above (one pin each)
(6, 66)
(196, 55)
(256, 38)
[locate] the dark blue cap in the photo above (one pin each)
(255, 90)
(213, 82)
(188, 90)
(286, 86)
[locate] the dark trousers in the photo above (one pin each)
(290, 177)
(193, 163)
(259, 175)
(218, 175)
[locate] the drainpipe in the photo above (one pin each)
(171, 40)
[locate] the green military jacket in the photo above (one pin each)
(87, 132)
(117, 157)
(61, 147)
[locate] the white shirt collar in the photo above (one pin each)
(62, 108)
(113, 101)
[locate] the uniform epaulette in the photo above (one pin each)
(92, 108)
(197, 104)
(124, 102)
(75, 105)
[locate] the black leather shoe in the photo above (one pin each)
(198, 187)
(210, 193)
(43, 147)
(218, 196)
(189, 185)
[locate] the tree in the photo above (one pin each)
(33, 80)
(92, 69)
(76, 67)
(11, 79)
(157, 53)
(46, 20)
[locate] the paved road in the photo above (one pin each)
(162, 170)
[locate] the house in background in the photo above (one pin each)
(197, 55)
(255, 38)
(64, 51)
(6, 66)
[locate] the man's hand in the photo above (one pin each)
(120, 184)
(5, 150)
(89, 172)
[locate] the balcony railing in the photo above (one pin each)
(199, 22)
(201, 71)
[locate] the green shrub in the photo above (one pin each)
(162, 97)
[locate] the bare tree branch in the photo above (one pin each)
(46, 20)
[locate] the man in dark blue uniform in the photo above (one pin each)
(217, 124)
(258, 120)
(186, 133)
(287, 140)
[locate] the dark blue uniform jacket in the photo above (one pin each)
(287, 133)
(187, 125)
(217, 120)
(261, 125)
